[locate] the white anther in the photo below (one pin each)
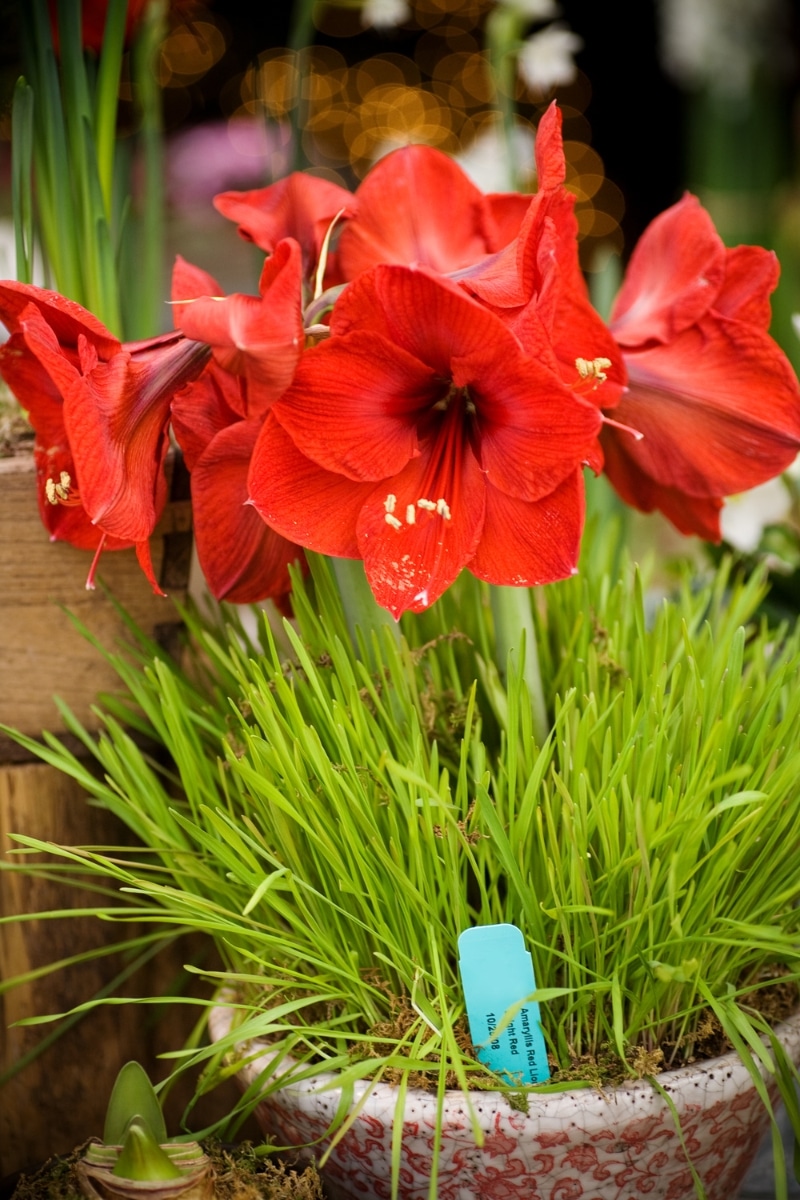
(428, 505)
(393, 521)
(443, 509)
(390, 502)
(411, 515)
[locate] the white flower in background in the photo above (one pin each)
(796, 323)
(385, 14)
(8, 260)
(745, 517)
(8, 253)
(545, 58)
(484, 160)
(720, 43)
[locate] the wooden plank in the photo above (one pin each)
(59, 1099)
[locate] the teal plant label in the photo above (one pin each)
(497, 976)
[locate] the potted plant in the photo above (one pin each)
(135, 1159)
(339, 808)
(338, 826)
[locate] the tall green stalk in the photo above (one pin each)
(21, 189)
(144, 315)
(503, 28)
(301, 38)
(361, 609)
(515, 638)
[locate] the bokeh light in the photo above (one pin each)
(428, 81)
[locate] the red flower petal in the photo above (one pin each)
(243, 560)
(258, 337)
(390, 300)
(145, 560)
(301, 500)
(531, 543)
(301, 207)
(191, 283)
(67, 319)
(551, 166)
(534, 432)
(673, 277)
(42, 400)
(508, 210)
(116, 419)
(354, 403)
(409, 563)
(416, 207)
(689, 514)
(203, 409)
(719, 409)
(751, 275)
(33, 387)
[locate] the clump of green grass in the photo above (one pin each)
(333, 817)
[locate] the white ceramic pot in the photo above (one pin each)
(575, 1145)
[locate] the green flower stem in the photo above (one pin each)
(21, 167)
(79, 122)
(301, 36)
(146, 320)
(54, 200)
(503, 28)
(361, 609)
(83, 121)
(106, 97)
(513, 622)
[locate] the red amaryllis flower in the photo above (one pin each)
(300, 207)
(62, 514)
(535, 285)
(714, 397)
(110, 400)
(257, 337)
(422, 439)
(416, 207)
(216, 420)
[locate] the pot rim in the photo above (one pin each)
(220, 1021)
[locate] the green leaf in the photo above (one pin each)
(141, 1157)
(133, 1095)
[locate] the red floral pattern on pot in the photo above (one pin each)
(575, 1145)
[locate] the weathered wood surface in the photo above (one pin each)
(41, 652)
(59, 1099)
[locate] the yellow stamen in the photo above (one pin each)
(59, 493)
(593, 368)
